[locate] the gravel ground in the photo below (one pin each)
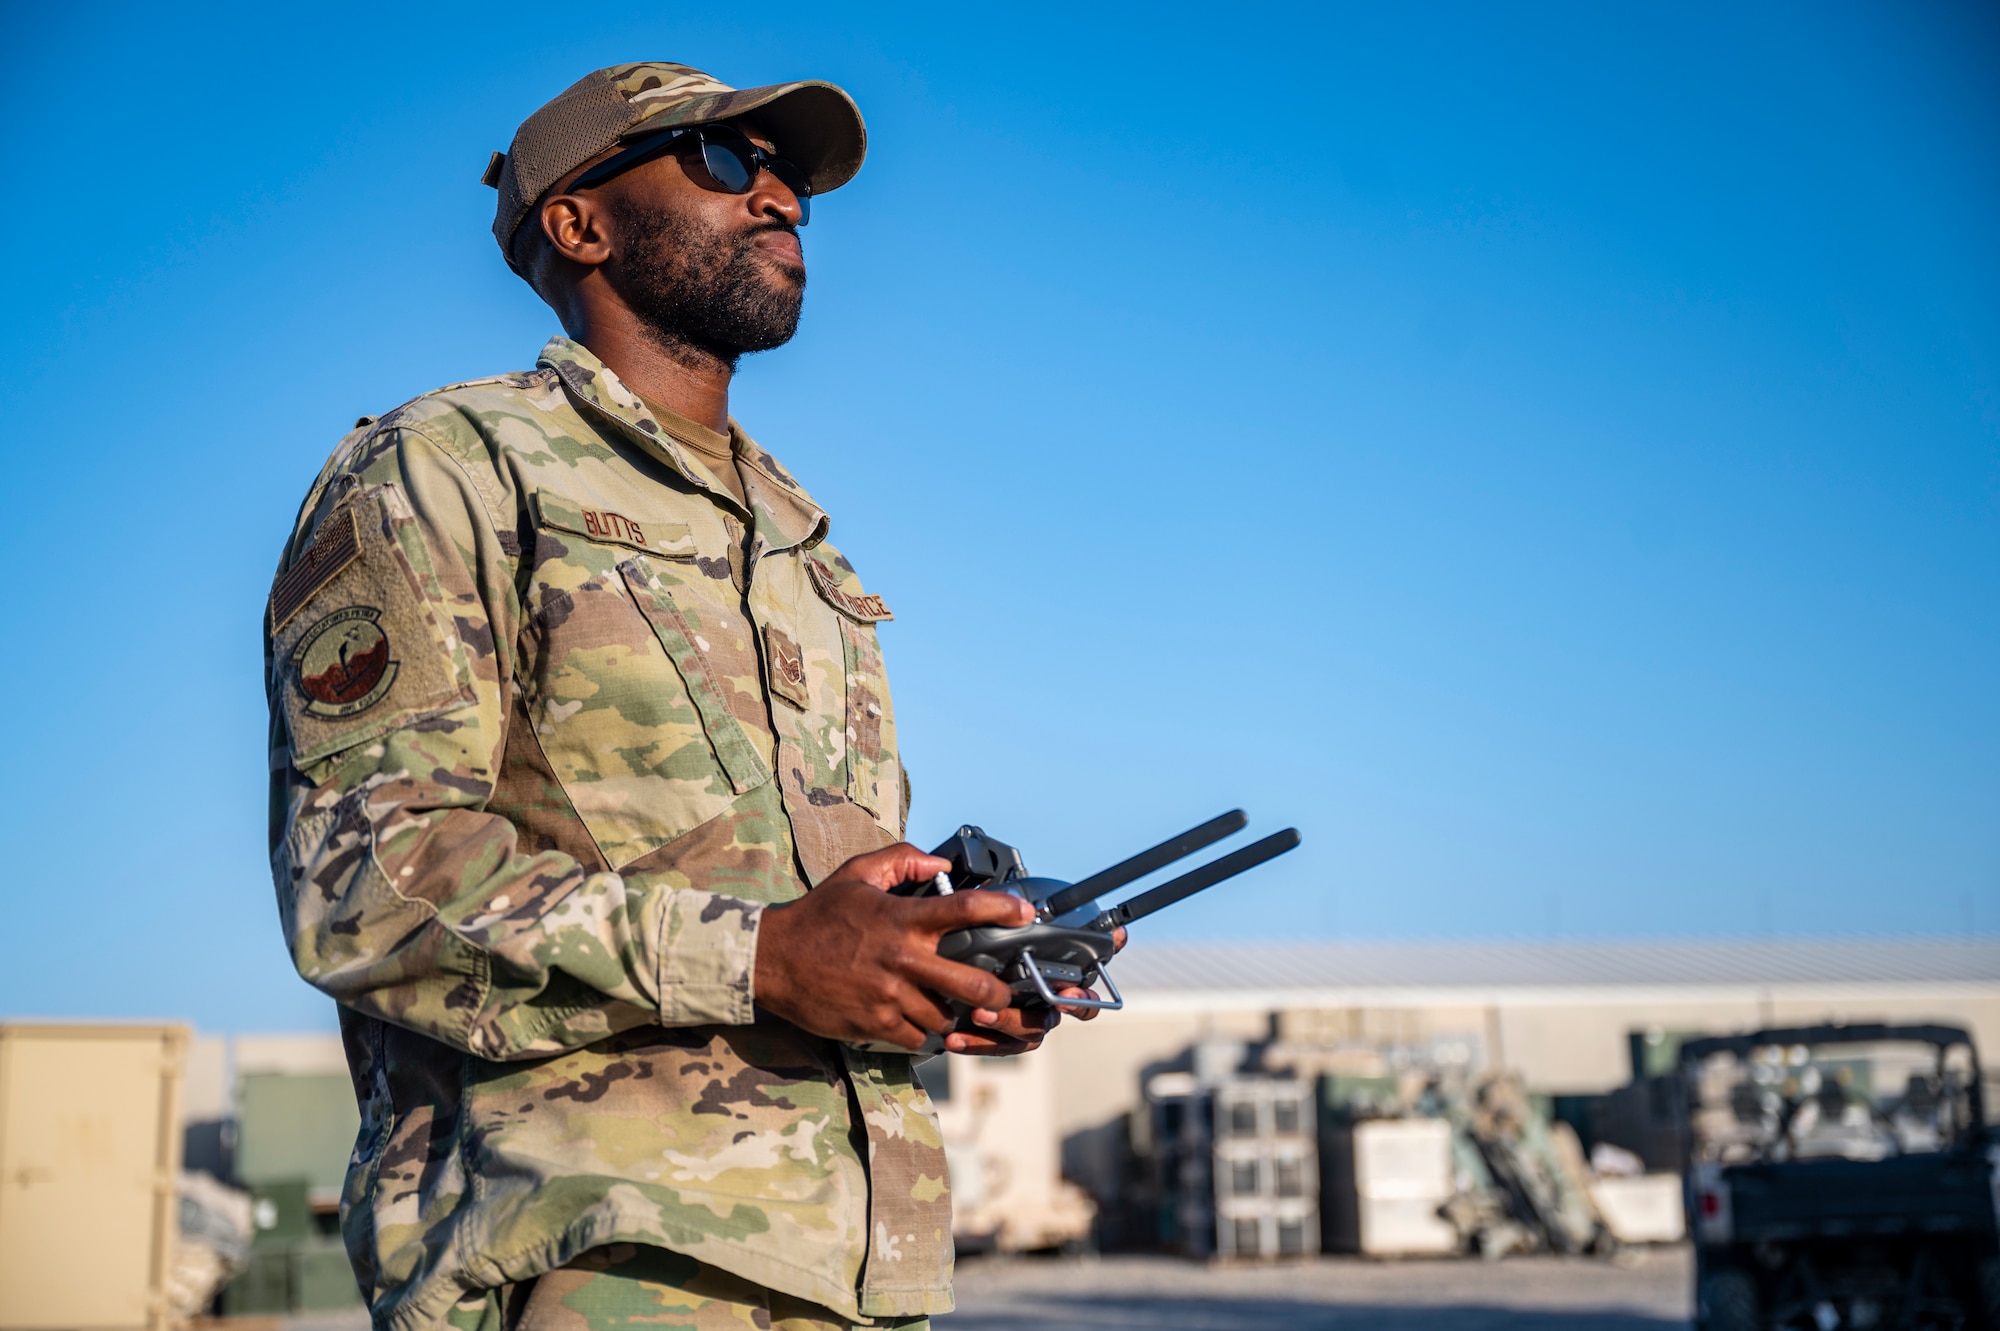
(1647, 1290)
(1644, 1291)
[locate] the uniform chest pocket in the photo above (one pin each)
(718, 667)
(629, 706)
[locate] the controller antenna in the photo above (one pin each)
(1126, 871)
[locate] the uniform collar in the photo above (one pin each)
(785, 514)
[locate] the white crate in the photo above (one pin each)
(1385, 1182)
(1405, 1226)
(1646, 1209)
(1403, 1157)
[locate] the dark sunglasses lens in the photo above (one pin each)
(790, 176)
(732, 163)
(729, 166)
(795, 180)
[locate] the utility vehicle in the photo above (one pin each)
(1840, 1177)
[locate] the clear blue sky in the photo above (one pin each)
(1549, 453)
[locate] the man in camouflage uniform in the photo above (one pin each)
(572, 702)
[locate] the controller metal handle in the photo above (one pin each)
(1048, 995)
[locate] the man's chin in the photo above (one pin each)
(773, 342)
(785, 272)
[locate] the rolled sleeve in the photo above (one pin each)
(708, 959)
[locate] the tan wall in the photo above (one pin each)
(1578, 1050)
(1978, 1014)
(302, 1054)
(1097, 1062)
(1563, 1043)
(207, 1092)
(1581, 1049)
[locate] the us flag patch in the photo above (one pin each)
(334, 547)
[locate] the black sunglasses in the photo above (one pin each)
(730, 158)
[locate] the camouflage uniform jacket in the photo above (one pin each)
(553, 720)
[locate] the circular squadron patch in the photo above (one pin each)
(342, 664)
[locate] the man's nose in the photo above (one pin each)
(771, 197)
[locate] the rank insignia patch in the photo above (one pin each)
(788, 668)
(342, 663)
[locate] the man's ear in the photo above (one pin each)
(577, 229)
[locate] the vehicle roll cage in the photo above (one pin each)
(1693, 1052)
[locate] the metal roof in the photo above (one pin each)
(1178, 968)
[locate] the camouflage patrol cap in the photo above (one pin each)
(814, 124)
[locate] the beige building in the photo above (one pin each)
(1561, 1013)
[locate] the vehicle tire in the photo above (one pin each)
(1727, 1302)
(1986, 1288)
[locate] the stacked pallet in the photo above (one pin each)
(1265, 1164)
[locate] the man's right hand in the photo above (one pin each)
(850, 962)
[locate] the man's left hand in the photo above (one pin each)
(1021, 1031)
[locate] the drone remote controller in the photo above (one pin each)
(1071, 940)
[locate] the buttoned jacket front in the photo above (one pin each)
(554, 718)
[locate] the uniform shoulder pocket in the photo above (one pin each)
(361, 644)
(874, 778)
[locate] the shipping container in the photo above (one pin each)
(90, 1151)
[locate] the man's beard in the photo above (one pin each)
(697, 290)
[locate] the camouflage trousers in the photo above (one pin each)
(630, 1287)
